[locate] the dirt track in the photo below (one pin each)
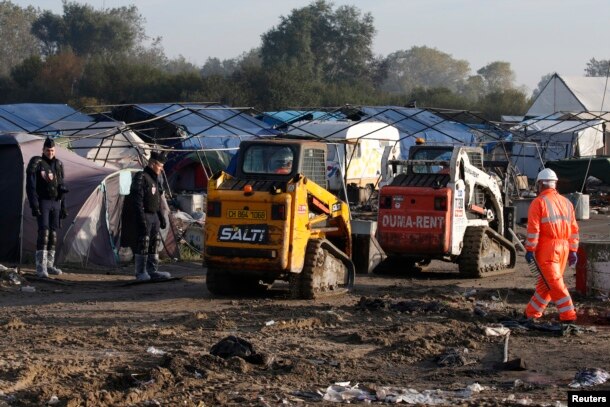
(86, 340)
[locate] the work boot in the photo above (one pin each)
(141, 274)
(41, 264)
(51, 269)
(152, 266)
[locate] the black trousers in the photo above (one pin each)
(48, 223)
(148, 237)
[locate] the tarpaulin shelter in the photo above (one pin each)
(107, 142)
(210, 130)
(90, 233)
(414, 123)
(281, 118)
(549, 140)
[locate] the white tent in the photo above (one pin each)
(571, 94)
(555, 140)
(109, 144)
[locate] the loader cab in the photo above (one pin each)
(430, 159)
(282, 160)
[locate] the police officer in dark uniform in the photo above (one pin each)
(146, 191)
(45, 190)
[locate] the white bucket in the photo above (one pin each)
(581, 205)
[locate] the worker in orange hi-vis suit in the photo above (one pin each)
(552, 237)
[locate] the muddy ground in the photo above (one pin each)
(89, 338)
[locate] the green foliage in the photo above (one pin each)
(326, 44)
(440, 97)
(318, 55)
(423, 67)
(597, 67)
(16, 40)
(87, 31)
(498, 76)
(26, 72)
(504, 102)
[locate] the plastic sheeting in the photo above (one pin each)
(413, 123)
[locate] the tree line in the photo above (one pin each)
(318, 55)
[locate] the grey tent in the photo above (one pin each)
(91, 233)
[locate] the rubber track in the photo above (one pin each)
(302, 285)
(470, 263)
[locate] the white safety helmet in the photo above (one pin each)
(547, 175)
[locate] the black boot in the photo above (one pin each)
(141, 274)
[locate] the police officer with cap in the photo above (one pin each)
(146, 191)
(45, 190)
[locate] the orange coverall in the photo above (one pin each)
(552, 232)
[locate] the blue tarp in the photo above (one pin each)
(281, 118)
(413, 123)
(51, 119)
(201, 126)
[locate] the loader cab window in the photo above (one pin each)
(432, 155)
(268, 159)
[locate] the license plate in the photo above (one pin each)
(241, 214)
(244, 233)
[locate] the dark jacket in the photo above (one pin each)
(45, 180)
(144, 197)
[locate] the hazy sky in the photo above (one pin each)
(536, 36)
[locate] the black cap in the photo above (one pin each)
(159, 156)
(49, 143)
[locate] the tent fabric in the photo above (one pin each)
(413, 123)
(38, 117)
(571, 173)
(579, 138)
(106, 142)
(284, 117)
(571, 94)
(87, 233)
(101, 215)
(188, 174)
(192, 125)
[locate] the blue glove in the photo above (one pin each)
(572, 259)
(529, 257)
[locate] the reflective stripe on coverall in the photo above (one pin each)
(552, 232)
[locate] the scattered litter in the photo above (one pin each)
(154, 351)
(418, 306)
(589, 377)
(269, 323)
(522, 402)
(343, 392)
(198, 375)
(52, 401)
(480, 311)
(470, 293)
(496, 330)
(232, 346)
(316, 396)
(454, 357)
(28, 289)
(371, 303)
(10, 276)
